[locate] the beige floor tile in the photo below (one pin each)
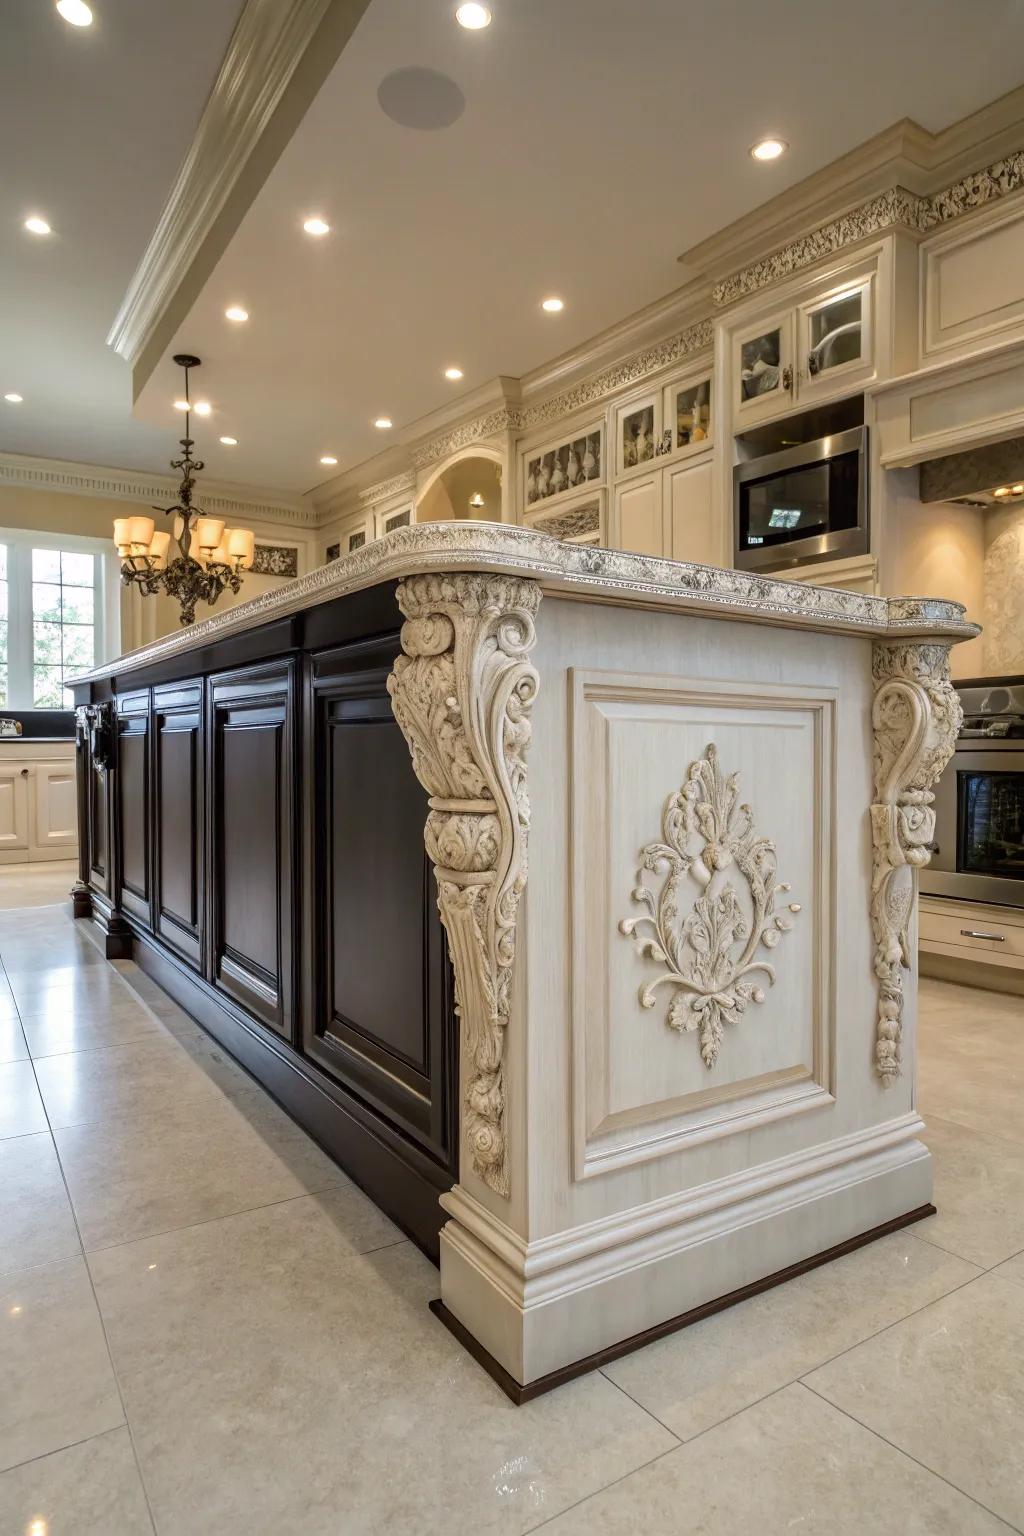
(37, 1225)
(12, 1040)
(88, 1026)
(788, 1464)
(56, 1382)
(144, 1076)
(92, 1489)
(21, 1108)
(272, 1380)
(984, 1093)
(946, 1386)
(979, 1192)
(37, 885)
(1013, 1269)
(203, 1158)
(699, 1376)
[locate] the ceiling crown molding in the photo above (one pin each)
(279, 55)
(234, 503)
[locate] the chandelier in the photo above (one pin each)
(220, 556)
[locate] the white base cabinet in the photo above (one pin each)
(37, 801)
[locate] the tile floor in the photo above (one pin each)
(206, 1328)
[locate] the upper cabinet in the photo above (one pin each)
(972, 284)
(813, 350)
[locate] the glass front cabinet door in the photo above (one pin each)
(763, 370)
(835, 342)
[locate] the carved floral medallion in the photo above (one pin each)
(714, 912)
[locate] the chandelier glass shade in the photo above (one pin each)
(206, 558)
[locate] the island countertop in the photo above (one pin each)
(570, 570)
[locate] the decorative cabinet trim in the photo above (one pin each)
(462, 694)
(711, 953)
(916, 716)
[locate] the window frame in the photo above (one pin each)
(20, 542)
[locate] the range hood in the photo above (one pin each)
(992, 476)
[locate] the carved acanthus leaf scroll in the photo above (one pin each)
(916, 717)
(462, 694)
(708, 947)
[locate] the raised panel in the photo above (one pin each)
(383, 1023)
(179, 824)
(97, 799)
(695, 532)
(13, 808)
(252, 813)
(133, 809)
(56, 806)
(974, 285)
(748, 1035)
(638, 516)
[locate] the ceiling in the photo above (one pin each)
(95, 122)
(597, 141)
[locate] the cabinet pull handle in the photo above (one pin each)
(975, 933)
(787, 377)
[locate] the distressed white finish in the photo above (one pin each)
(916, 717)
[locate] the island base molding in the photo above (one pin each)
(545, 1311)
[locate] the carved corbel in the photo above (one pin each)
(916, 716)
(462, 694)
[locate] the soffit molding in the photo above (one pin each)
(278, 56)
(218, 498)
(904, 155)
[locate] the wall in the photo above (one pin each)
(1004, 590)
(938, 550)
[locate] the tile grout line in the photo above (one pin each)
(92, 1291)
(909, 1455)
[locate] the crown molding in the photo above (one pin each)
(904, 156)
(218, 497)
(278, 56)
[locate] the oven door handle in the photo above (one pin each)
(975, 933)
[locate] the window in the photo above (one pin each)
(59, 615)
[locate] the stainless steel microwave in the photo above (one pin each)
(804, 503)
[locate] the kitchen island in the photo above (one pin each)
(566, 896)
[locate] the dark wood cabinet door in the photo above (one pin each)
(251, 830)
(132, 797)
(380, 1018)
(179, 839)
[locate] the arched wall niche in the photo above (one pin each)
(449, 493)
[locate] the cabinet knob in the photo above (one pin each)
(787, 377)
(24, 773)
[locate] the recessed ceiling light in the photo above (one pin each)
(382, 423)
(202, 407)
(1018, 490)
(453, 373)
(473, 17)
(328, 458)
(13, 399)
(230, 442)
(236, 313)
(37, 226)
(553, 305)
(768, 149)
(181, 405)
(315, 226)
(76, 12)
(1004, 490)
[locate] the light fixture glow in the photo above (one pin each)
(328, 458)
(768, 149)
(13, 399)
(316, 226)
(237, 314)
(1004, 490)
(181, 405)
(76, 12)
(382, 423)
(202, 407)
(552, 305)
(37, 226)
(473, 17)
(1018, 490)
(453, 373)
(230, 442)
(36, 1528)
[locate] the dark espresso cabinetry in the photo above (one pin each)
(255, 840)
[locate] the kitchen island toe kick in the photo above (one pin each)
(671, 819)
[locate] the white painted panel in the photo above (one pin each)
(13, 808)
(974, 285)
(56, 805)
(695, 533)
(639, 517)
(992, 399)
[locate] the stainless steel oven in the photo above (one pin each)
(979, 801)
(809, 502)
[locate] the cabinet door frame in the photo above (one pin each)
(781, 400)
(261, 697)
(132, 721)
(628, 487)
(423, 1107)
(17, 775)
(43, 844)
(178, 709)
(845, 377)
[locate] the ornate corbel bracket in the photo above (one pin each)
(916, 716)
(462, 694)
